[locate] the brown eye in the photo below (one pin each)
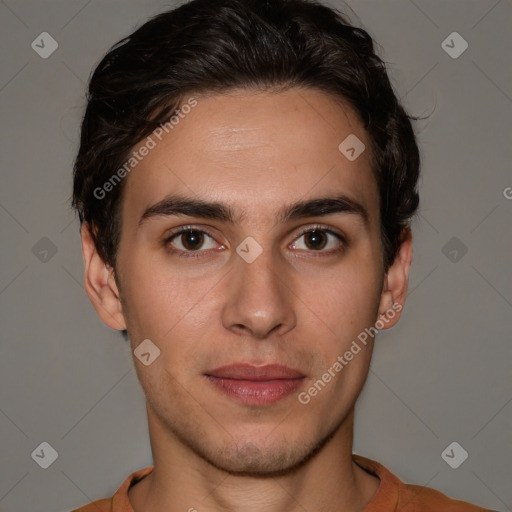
(319, 238)
(190, 240)
(315, 240)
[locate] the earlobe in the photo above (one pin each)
(100, 284)
(394, 290)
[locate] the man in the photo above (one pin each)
(245, 183)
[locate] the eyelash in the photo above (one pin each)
(197, 254)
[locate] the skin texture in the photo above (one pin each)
(295, 305)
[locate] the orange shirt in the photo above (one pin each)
(392, 495)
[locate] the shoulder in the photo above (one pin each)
(415, 498)
(97, 506)
(119, 502)
(393, 494)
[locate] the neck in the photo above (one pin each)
(183, 481)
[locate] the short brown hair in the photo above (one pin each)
(206, 46)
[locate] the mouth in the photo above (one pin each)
(255, 385)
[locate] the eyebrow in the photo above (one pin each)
(193, 207)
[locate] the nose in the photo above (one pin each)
(260, 299)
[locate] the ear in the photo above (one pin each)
(100, 284)
(394, 289)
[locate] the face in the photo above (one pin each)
(253, 282)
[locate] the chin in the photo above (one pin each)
(249, 459)
(260, 459)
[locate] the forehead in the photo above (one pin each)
(255, 151)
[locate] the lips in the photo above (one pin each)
(255, 385)
(255, 373)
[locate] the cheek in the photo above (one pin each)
(148, 292)
(164, 304)
(344, 300)
(346, 309)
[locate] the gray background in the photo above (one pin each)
(442, 375)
